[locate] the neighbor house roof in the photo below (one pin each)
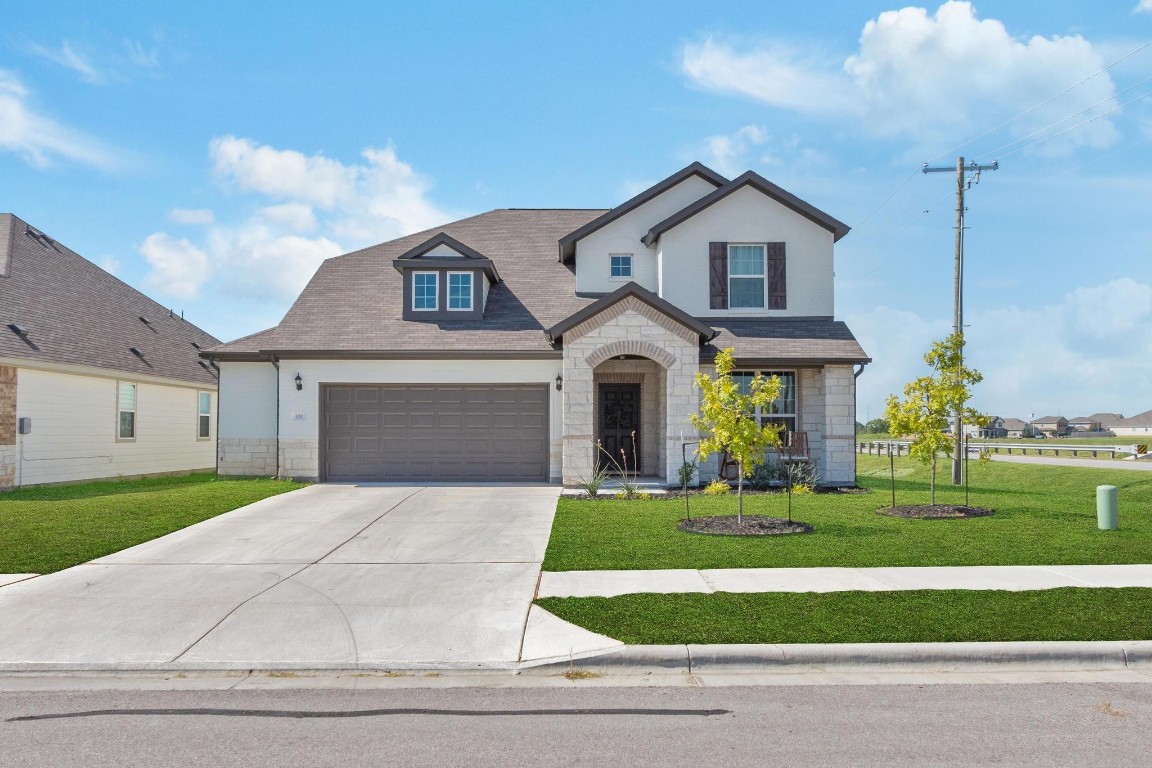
(568, 241)
(757, 182)
(1139, 420)
(1048, 420)
(73, 312)
(352, 307)
(1014, 424)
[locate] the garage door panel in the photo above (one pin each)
(436, 432)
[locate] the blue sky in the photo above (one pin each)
(212, 154)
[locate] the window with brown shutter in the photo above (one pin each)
(718, 275)
(777, 277)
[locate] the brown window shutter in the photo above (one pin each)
(777, 278)
(718, 275)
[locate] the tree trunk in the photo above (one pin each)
(932, 495)
(892, 473)
(740, 494)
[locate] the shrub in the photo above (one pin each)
(686, 472)
(717, 487)
(591, 484)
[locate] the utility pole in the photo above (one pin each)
(961, 185)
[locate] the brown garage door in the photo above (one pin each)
(434, 432)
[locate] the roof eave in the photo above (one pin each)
(704, 331)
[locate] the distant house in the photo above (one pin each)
(1098, 424)
(994, 428)
(1052, 426)
(1139, 425)
(1018, 428)
(96, 379)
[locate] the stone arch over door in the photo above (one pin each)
(659, 355)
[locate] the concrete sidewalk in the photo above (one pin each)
(1006, 577)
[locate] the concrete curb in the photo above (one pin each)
(876, 657)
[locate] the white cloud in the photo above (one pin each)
(69, 58)
(178, 268)
(39, 139)
(191, 216)
(1144, 6)
(923, 76)
(1088, 352)
(323, 208)
(111, 265)
(727, 152)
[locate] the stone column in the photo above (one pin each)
(839, 425)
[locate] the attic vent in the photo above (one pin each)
(19, 330)
(145, 320)
(136, 351)
(39, 237)
(197, 345)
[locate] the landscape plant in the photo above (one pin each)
(728, 423)
(931, 401)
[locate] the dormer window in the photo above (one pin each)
(460, 291)
(621, 265)
(425, 291)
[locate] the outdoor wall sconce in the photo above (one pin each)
(559, 382)
(299, 383)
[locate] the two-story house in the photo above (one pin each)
(508, 345)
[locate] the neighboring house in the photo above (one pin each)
(1139, 425)
(994, 428)
(1052, 426)
(1017, 428)
(96, 379)
(504, 346)
(1082, 424)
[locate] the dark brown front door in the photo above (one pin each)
(620, 426)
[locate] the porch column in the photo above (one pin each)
(682, 399)
(579, 458)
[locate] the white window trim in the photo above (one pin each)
(471, 292)
(796, 392)
(435, 294)
(763, 278)
(200, 415)
(135, 411)
(631, 268)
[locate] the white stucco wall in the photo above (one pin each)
(593, 274)
(300, 411)
(74, 426)
(247, 400)
(748, 216)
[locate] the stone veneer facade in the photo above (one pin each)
(635, 329)
(7, 426)
(247, 456)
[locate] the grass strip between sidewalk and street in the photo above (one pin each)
(1045, 515)
(50, 528)
(922, 616)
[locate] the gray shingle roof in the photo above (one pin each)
(1139, 420)
(353, 305)
(76, 313)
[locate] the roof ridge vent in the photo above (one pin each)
(39, 237)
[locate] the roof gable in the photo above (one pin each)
(704, 331)
(423, 255)
(760, 184)
(568, 242)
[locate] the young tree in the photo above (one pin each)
(931, 401)
(728, 421)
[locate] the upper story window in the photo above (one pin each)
(746, 276)
(425, 291)
(621, 264)
(783, 410)
(460, 291)
(125, 410)
(204, 415)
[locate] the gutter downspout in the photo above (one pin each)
(855, 375)
(276, 364)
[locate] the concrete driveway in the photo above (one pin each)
(327, 576)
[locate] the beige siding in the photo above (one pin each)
(74, 429)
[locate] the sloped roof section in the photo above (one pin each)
(703, 330)
(786, 341)
(757, 182)
(568, 241)
(75, 313)
(353, 305)
(1139, 420)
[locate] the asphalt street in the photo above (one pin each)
(931, 725)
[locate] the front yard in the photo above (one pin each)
(1044, 516)
(55, 527)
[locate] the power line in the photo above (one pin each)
(1074, 127)
(1034, 107)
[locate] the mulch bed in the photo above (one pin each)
(753, 525)
(935, 511)
(677, 493)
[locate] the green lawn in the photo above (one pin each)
(865, 617)
(51, 528)
(1044, 516)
